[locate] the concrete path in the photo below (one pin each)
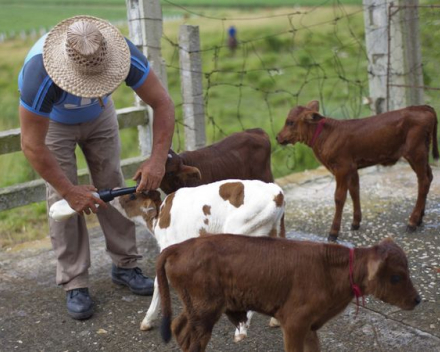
(32, 308)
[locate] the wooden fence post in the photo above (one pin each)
(191, 86)
(145, 29)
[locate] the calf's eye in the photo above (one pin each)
(395, 279)
(289, 123)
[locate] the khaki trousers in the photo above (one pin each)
(99, 141)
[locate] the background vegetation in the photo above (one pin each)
(287, 56)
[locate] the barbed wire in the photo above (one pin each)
(316, 70)
(330, 65)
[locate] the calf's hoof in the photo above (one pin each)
(332, 238)
(355, 227)
(274, 323)
(411, 228)
(239, 337)
(146, 326)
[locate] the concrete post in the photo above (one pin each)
(393, 48)
(191, 86)
(145, 30)
(412, 52)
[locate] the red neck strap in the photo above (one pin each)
(355, 288)
(317, 131)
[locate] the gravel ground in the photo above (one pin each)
(33, 314)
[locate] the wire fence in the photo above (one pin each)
(278, 61)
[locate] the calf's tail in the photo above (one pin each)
(282, 227)
(435, 153)
(165, 298)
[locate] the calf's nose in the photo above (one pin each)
(417, 300)
(280, 140)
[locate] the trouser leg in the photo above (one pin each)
(69, 238)
(100, 143)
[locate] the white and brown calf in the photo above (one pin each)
(246, 207)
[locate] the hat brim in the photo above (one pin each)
(64, 74)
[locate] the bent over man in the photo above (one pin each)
(65, 100)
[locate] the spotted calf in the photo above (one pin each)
(246, 207)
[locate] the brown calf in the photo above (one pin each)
(302, 284)
(242, 155)
(345, 146)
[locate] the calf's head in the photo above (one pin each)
(298, 123)
(177, 173)
(142, 208)
(388, 276)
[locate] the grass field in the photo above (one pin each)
(28, 15)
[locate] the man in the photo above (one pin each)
(65, 87)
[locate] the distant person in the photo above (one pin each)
(65, 100)
(232, 38)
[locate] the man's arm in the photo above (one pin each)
(33, 134)
(152, 92)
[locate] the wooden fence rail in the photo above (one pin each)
(35, 191)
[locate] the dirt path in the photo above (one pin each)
(33, 314)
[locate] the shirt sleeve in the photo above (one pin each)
(38, 93)
(139, 67)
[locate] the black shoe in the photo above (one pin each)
(79, 303)
(134, 279)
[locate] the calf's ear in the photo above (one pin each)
(313, 105)
(373, 267)
(377, 260)
(312, 117)
(189, 172)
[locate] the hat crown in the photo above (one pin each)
(84, 37)
(86, 47)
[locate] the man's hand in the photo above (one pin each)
(81, 199)
(149, 175)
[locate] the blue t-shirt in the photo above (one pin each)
(40, 95)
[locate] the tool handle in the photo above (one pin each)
(109, 194)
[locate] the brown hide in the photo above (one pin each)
(302, 284)
(344, 146)
(242, 155)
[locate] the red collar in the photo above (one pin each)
(318, 131)
(355, 288)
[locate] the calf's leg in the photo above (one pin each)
(153, 310)
(424, 177)
(353, 188)
(311, 343)
(241, 321)
(294, 337)
(193, 330)
(340, 197)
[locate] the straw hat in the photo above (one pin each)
(86, 56)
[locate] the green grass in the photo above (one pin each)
(30, 15)
(15, 18)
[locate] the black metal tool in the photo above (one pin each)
(109, 194)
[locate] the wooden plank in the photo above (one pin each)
(35, 191)
(10, 141)
(127, 117)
